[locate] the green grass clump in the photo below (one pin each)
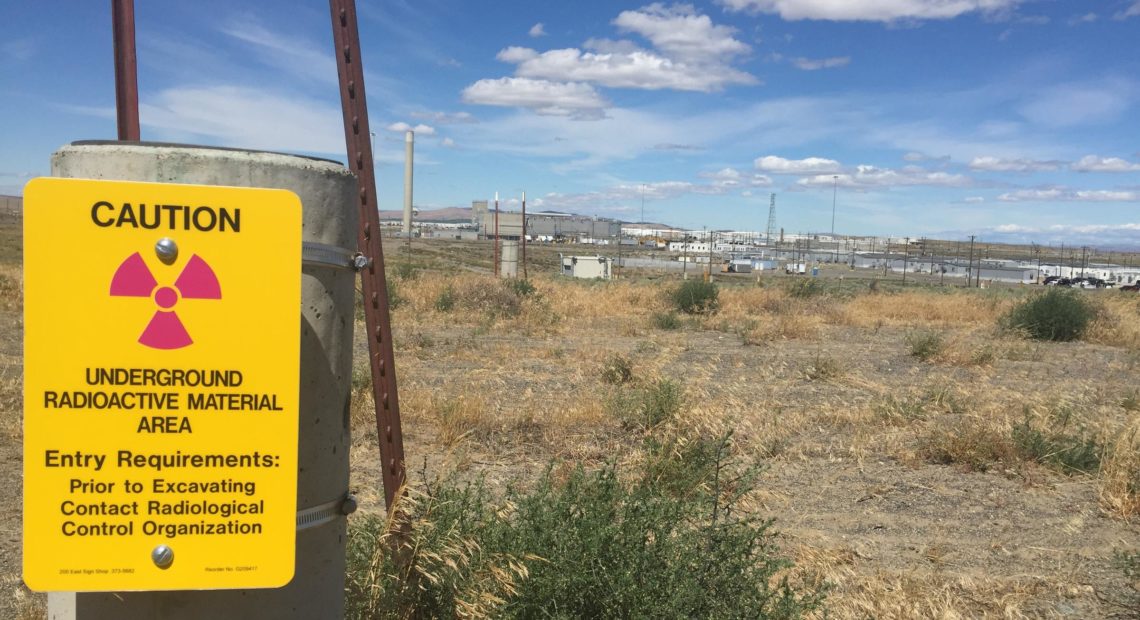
(617, 369)
(806, 289)
(696, 297)
(666, 320)
(1067, 453)
(673, 542)
(445, 301)
(646, 406)
(925, 345)
(1059, 315)
(522, 288)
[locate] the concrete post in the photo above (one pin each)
(409, 146)
(509, 261)
(327, 191)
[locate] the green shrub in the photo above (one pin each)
(806, 289)
(647, 406)
(666, 320)
(1058, 314)
(696, 297)
(823, 367)
(1067, 453)
(522, 288)
(445, 302)
(672, 543)
(406, 271)
(925, 345)
(393, 289)
(617, 369)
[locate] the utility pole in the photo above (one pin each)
(685, 256)
(906, 255)
(496, 234)
(970, 268)
(523, 237)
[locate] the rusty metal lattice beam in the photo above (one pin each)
(346, 39)
(126, 69)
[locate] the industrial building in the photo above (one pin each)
(549, 224)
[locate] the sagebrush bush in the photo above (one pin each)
(668, 542)
(1070, 454)
(1058, 314)
(520, 287)
(445, 302)
(617, 369)
(696, 297)
(647, 406)
(925, 345)
(666, 320)
(806, 289)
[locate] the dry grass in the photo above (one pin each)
(923, 309)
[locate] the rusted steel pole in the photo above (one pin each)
(497, 258)
(523, 239)
(346, 40)
(126, 69)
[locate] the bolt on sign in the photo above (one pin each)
(161, 354)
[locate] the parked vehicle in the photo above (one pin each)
(1134, 287)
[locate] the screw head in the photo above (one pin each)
(166, 250)
(163, 556)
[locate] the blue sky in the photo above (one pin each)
(1010, 119)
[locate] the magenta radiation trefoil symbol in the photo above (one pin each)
(165, 330)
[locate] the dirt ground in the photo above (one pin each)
(825, 392)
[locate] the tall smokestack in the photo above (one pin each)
(409, 144)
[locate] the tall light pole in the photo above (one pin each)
(834, 193)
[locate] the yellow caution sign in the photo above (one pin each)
(162, 345)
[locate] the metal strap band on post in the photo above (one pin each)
(324, 255)
(346, 40)
(325, 513)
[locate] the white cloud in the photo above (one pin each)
(871, 177)
(537, 30)
(548, 98)
(809, 64)
(682, 34)
(999, 164)
(1063, 194)
(728, 178)
(18, 50)
(1092, 163)
(515, 54)
(421, 130)
(1131, 11)
(973, 200)
(870, 10)
(1094, 235)
(447, 142)
(810, 165)
(1087, 18)
(445, 118)
(243, 117)
(688, 52)
(1083, 103)
(291, 54)
(639, 69)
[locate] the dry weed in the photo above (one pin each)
(923, 309)
(1119, 487)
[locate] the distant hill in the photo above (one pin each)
(450, 214)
